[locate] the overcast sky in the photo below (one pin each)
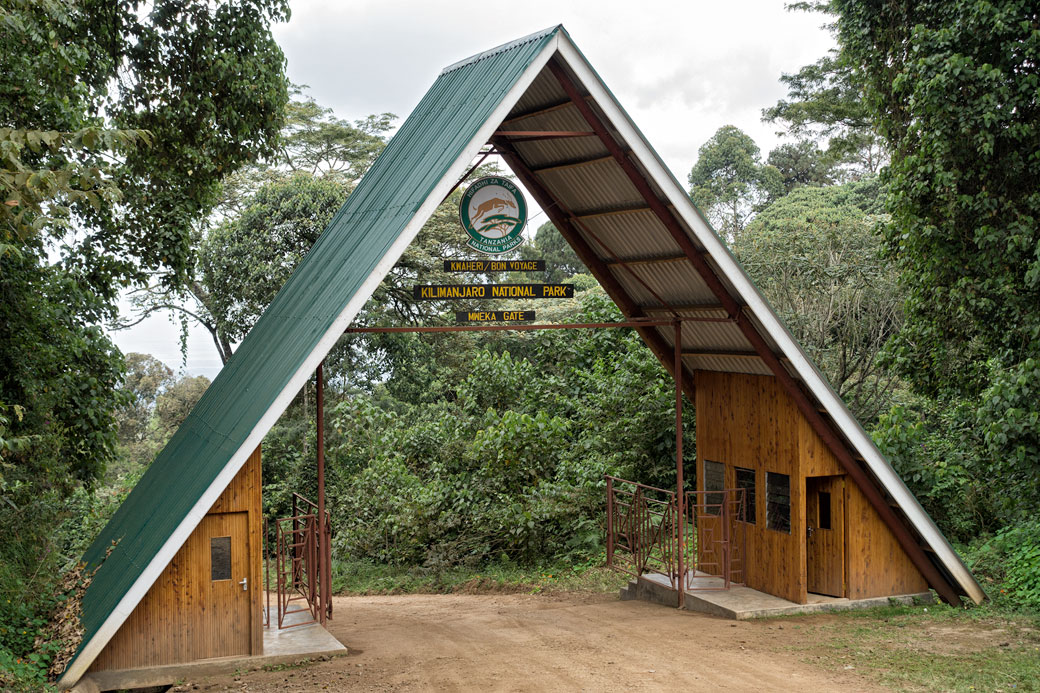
(681, 70)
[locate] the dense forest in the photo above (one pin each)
(896, 231)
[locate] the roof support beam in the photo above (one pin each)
(531, 135)
(687, 308)
(631, 262)
(725, 354)
(593, 214)
(830, 437)
(542, 110)
(561, 220)
(572, 164)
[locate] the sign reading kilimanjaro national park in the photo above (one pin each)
(493, 212)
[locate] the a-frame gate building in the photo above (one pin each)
(762, 404)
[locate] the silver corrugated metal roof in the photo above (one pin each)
(647, 271)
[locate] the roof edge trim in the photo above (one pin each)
(89, 651)
(501, 49)
(855, 434)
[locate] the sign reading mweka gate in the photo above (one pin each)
(443, 292)
(494, 265)
(494, 315)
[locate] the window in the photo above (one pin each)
(746, 481)
(714, 483)
(825, 510)
(778, 502)
(220, 558)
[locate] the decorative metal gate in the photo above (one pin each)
(298, 565)
(643, 534)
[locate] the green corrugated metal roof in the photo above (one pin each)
(432, 138)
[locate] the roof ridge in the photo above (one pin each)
(501, 49)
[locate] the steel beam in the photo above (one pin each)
(638, 324)
(909, 543)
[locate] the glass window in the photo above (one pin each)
(714, 483)
(825, 510)
(220, 558)
(778, 502)
(746, 481)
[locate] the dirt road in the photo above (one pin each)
(570, 642)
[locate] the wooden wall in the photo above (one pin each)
(168, 625)
(749, 421)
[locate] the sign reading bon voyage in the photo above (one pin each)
(493, 212)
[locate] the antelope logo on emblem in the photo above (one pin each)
(493, 212)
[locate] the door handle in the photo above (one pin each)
(809, 529)
(245, 584)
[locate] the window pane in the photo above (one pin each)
(746, 481)
(778, 502)
(220, 558)
(825, 510)
(714, 483)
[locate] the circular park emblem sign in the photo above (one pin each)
(493, 212)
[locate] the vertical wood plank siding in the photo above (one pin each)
(749, 421)
(182, 619)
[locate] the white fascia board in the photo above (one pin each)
(155, 567)
(805, 369)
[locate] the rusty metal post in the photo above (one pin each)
(679, 490)
(610, 522)
(323, 571)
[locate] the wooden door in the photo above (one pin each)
(223, 623)
(825, 535)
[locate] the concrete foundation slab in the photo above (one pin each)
(708, 595)
(281, 646)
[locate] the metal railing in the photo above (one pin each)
(298, 563)
(643, 536)
(641, 528)
(716, 539)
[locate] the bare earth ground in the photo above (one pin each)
(570, 641)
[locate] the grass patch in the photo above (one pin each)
(363, 577)
(932, 648)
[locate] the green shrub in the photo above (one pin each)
(1010, 563)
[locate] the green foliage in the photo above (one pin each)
(816, 256)
(561, 263)
(61, 371)
(1011, 558)
(729, 183)
(502, 456)
(937, 450)
(825, 103)
(801, 163)
(246, 260)
(1009, 418)
(953, 87)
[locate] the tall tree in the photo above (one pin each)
(730, 183)
(825, 104)
(269, 215)
(954, 86)
(118, 121)
(801, 163)
(561, 262)
(816, 255)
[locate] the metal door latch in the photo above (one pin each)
(245, 584)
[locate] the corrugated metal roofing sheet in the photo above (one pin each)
(417, 158)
